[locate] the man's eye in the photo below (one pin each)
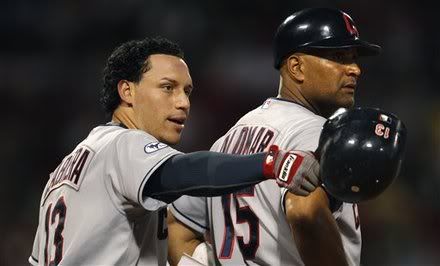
(167, 87)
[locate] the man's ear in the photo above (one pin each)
(126, 91)
(294, 65)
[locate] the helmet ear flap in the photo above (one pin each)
(360, 153)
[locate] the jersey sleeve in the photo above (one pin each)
(33, 258)
(283, 192)
(191, 211)
(217, 145)
(303, 136)
(138, 155)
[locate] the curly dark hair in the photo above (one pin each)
(129, 61)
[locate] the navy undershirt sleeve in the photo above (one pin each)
(204, 174)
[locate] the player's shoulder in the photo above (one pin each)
(294, 109)
(103, 134)
(279, 112)
(113, 133)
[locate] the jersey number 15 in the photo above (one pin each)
(244, 214)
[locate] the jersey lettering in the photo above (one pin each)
(57, 234)
(70, 170)
(243, 140)
(246, 140)
(227, 142)
(244, 214)
(228, 235)
(256, 141)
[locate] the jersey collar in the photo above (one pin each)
(117, 124)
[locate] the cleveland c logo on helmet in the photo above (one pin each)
(349, 24)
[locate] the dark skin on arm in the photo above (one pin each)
(181, 239)
(314, 229)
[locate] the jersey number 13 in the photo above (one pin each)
(54, 231)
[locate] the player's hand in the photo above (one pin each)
(295, 170)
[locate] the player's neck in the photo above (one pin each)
(296, 96)
(124, 115)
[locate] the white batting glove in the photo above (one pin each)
(295, 170)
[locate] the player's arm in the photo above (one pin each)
(212, 174)
(181, 239)
(314, 229)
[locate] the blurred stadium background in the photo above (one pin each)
(52, 54)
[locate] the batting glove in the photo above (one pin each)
(295, 170)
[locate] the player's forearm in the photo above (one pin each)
(176, 249)
(204, 174)
(315, 230)
(181, 239)
(320, 243)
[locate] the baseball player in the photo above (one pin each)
(315, 51)
(105, 204)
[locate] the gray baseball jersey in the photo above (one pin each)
(92, 210)
(250, 226)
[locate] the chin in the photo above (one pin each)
(347, 103)
(170, 140)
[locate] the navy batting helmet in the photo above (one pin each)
(360, 153)
(319, 28)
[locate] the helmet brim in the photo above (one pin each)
(363, 48)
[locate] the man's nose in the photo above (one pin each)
(182, 101)
(353, 69)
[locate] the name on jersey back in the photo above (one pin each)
(70, 170)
